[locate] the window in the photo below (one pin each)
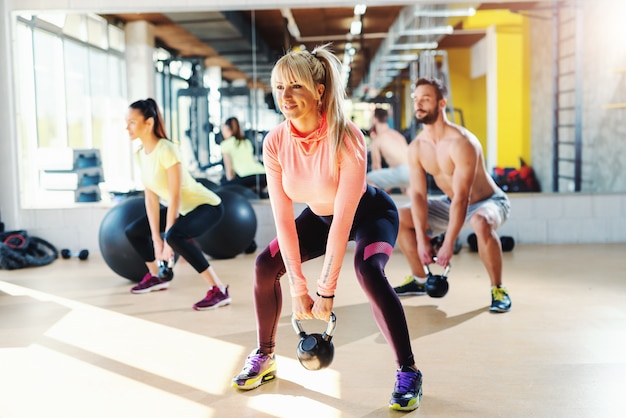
(70, 78)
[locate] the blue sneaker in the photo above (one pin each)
(410, 287)
(407, 393)
(500, 300)
(258, 369)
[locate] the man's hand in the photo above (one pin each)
(445, 253)
(301, 307)
(425, 252)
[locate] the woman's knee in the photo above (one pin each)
(268, 264)
(174, 237)
(370, 271)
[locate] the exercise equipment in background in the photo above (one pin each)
(82, 254)
(315, 351)
(235, 232)
(18, 250)
(117, 251)
(246, 192)
(437, 284)
(437, 241)
(507, 242)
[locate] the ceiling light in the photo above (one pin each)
(355, 27)
(359, 9)
(439, 30)
(414, 46)
(292, 26)
(445, 12)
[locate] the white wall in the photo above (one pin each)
(540, 218)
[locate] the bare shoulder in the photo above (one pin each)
(414, 145)
(397, 135)
(462, 137)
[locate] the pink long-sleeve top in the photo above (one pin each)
(298, 170)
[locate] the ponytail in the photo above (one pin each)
(150, 109)
(235, 128)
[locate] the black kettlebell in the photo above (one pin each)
(315, 351)
(166, 270)
(436, 285)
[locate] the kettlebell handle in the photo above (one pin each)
(446, 270)
(327, 335)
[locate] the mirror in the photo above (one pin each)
(499, 63)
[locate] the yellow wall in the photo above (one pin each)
(468, 95)
(513, 114)
(513, 97)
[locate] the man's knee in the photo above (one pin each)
(483, 224)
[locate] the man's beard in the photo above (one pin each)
(430, 117)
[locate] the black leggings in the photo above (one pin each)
(251, 181)
(179, 236)
(374, 229)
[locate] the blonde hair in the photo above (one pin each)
(310, 69)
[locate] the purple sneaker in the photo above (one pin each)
(407, 393)
(259, 368)
(214, 299)
(149, 283)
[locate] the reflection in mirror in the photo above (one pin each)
(497, 60)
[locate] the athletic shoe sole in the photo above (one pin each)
(217, 305)
(255, 382)
(411, 293)
(162, 286)
(499, 310)
(412, 405)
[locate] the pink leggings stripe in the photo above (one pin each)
(379, 247)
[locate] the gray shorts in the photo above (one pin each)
(439, 211)
(390, 178)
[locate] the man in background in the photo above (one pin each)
(391, 146)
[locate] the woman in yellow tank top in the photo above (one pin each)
(189, 209)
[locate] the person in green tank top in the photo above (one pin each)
(241, 167)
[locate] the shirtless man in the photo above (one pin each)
(453, 156)
(391, 145)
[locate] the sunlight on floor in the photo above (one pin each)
(288, 406)
(156, 349)
(43, 380)
(82, 354)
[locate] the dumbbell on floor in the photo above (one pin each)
(82, 254)
(507, 242)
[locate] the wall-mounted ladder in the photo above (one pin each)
(567, 102)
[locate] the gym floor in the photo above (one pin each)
(75, 343)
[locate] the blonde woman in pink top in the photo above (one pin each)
(318, 157)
